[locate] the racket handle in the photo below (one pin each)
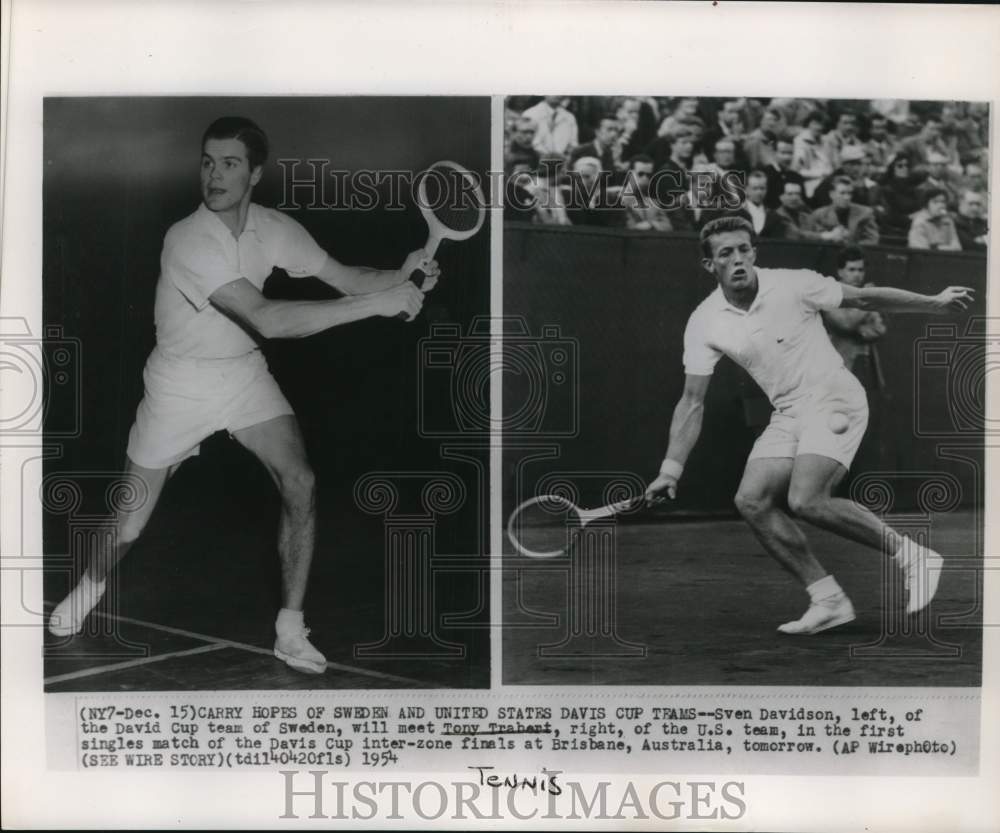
(417, 278)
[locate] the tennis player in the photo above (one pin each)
(768, 321)
(207, 372)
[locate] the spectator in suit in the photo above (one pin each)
(685, 109)
(794, 213)
(586, 196)
(642, 212)
(779, 173)
(520, 152)
(548, 199)
(933, 227)
(761, 145)
(940, 178)
(970, 222)
(858, 220)
(810, 158)
(557, 131)
(845, 134)
(854, 166)
(766, 223)
(897, 197)
(881, 145)
(729, 125)
(711, 183)
(602, 147)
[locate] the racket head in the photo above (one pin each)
(542, 526)
(451, 199)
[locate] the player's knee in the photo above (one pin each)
(751, 505)
(806, 506)
(298, 485)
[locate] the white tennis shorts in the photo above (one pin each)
(805, 427)
(186, 400)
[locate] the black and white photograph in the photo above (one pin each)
(249, 492)
(752, 452)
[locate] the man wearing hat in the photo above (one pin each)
(854, 166)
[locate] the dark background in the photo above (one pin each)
(118, 173)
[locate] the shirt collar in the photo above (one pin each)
(764, 286)
(214, 222)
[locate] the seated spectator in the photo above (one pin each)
(897, 197)
(794, 111)
(637, 122)
(602, 147)
(586, 196)
(844, 135)
(853, 332)
(760, 146)
(933, 228)
(854, 167)
(794, 213)
(520, 150)
(642, 212)
(881, 145)
(766, 223)
(809, 158)
(729, 125)
(685, 109)
(556, 128)
(940, 178)
(857, 220)
(709, 193)
(973, 177)
(970, 222)
(919, 148)
(779, 173)
(673, 152)
(550, 207)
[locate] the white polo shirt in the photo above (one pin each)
(200, 255)
(780, 340)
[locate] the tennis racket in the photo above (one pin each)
(451, 199)
(547, 526)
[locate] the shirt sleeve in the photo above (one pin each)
(818, 292)
(700, 358)
(197, 264)
(298, 254)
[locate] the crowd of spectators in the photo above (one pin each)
(895, 172)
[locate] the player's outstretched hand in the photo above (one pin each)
(426, 264)
(954, 299)
(405, 298)
(664, 484)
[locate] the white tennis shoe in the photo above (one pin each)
(822, 615)
(921, 573)
(68, 616)
(294, 649)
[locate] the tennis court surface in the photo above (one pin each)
(698, 602)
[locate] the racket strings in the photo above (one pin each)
(454, 200)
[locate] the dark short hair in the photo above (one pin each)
(842, 180)
(933, 193)
(815, 115)
(722, 225)
(756, 173)
(847, 254)
(236, 127)
(642, 158)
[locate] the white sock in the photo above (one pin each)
(289, 620)
(825, 588)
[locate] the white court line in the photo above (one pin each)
(130, 663)
(256, 649)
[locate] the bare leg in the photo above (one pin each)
(130, 523)
(278, 444)
(759, 500)
(810, 491)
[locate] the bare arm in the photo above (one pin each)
(359, 280)
(244, 303)
(685, 428)
(890, 299)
